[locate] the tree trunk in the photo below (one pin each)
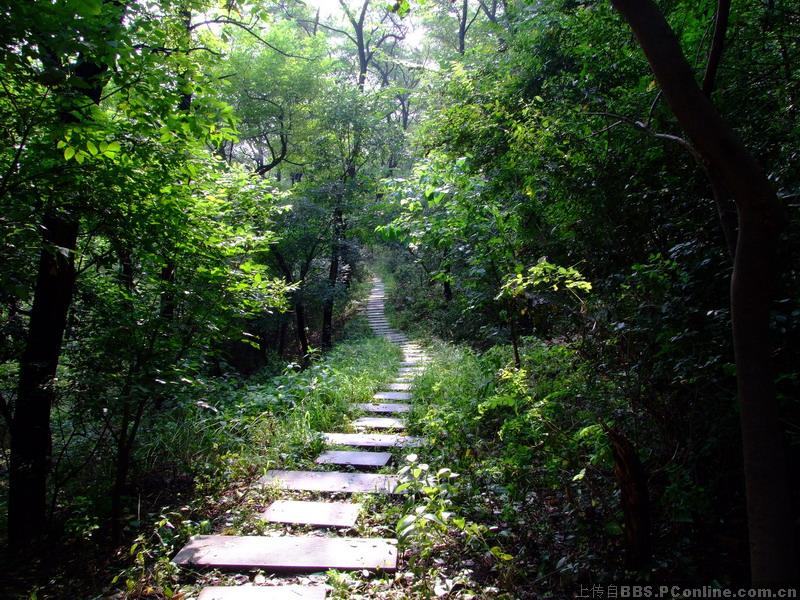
(634, 498)
(282, 334)
(300, 325)
(760, 216)
(462, 26)
(120, 476)
(327, 309)
(447, 289)
(333, 277)
(30, 432)
(167, 310)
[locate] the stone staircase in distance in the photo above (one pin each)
(310, 553)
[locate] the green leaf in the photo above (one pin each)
(613, 528)
(498, 552)
(91, 147)
(69, 152)
(88, 8)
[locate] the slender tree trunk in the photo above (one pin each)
(167, 310)
(120, 476)
(447, 289)
(462, 26)
(333, 278)
(30, 432)
(300, 325)
(634, 497)
(773, 558)
(363, 60)
(327, 309)
(282, 334)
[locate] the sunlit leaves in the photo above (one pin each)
(545, 275)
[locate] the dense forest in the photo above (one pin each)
(585, 211)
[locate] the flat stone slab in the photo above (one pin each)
(392, 396)
(263, 592)
(372, 440)
(384, 407)
(288, 553)
(413, 363)
(322, 514)
(330, 481)
(379, 423)
(353, 458)
(399, 387)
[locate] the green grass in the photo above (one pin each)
(269, 423)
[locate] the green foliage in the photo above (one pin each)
(545, 275)
(235, 432)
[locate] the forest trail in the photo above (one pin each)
(327, 547)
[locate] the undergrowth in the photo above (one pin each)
(235, 434)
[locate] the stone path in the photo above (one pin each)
(307, 553)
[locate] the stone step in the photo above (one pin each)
(372, 440)
(392, 396)
(379, 423)
(263, 592)
(396, 386)
(321, 514)
(330, 481)
(288, 553)
(384, 407)
(354, 459)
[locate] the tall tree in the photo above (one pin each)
(773, 557)
(82, 80)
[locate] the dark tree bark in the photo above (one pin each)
(464, 23)
(634, 497)
(30, 438)
(717, 46)
(282, 335)
(760, 218)
(167, 310)
(447, 289)
(333, 278)
(300, 325)
(299, 307)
